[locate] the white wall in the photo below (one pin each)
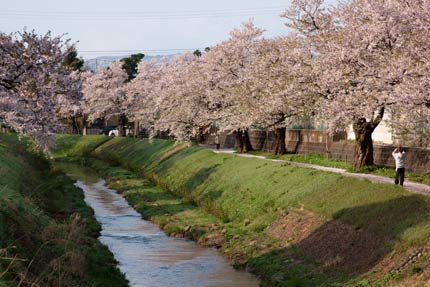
(382, 133)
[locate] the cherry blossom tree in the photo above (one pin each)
(170, 97)
(362, 62)
(183, 106)
(414, 90)
(229, 85)
(194, 91)
(31, 78)
(105, 95)
(143, 94)
(243, 82)
(69, 107)
(282, 85)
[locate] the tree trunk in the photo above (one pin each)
(203, 134)
(75, 125)
(246, 141)
(242, 142)
(363, 155)
(200, 137)
(196, 138)
(136, 129)
(238, 141)
(328, 154)
(121, 125)
(280, 147)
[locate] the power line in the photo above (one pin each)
(139, 16)
(145, 51)
(165, 18)
(187, 12)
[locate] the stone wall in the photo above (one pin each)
(417, 159)
(226, 140)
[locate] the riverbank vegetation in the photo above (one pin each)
(48, 235)
(291, 226)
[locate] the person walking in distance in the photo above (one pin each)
(217, 141)
(399, 157)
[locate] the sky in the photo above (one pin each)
(153, 27)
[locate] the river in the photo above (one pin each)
(146, 256)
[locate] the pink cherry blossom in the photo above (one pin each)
(31, 82)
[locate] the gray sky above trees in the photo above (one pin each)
(131, 26)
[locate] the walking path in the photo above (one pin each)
(410, 186)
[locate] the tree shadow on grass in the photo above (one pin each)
(187, 193)
(151, 196)
(167, 162)
(198, 178)
(151, 200)
(343, 248)
(149, 209)
(200, 196)
(148, 193)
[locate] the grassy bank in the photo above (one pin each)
(311, 158)
(291, 226)
(47, 232)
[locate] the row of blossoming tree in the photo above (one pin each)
(344, 64)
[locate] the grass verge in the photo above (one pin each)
(311, 158)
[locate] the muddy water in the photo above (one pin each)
(145, 254)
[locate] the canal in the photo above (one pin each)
(146, 256)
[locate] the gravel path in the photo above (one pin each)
(408, 185)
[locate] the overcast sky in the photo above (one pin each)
(153, 27)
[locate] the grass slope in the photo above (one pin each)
(292, 226)
(47, 232)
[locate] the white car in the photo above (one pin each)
(115, 132)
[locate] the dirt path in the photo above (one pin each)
(408, 185)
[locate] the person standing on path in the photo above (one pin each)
(399, 157)
(217, 141)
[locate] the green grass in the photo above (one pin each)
(67, 146)
(321, 159)
(311, 158)
(46, 225)
(243, 196)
